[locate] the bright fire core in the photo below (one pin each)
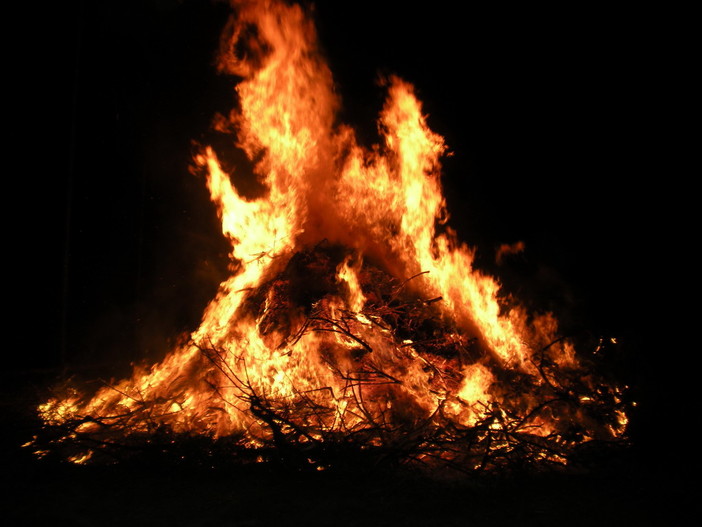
(338, 270)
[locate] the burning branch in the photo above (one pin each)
(313, 351)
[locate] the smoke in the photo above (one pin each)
(506, 250)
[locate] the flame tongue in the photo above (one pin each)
(347, 312)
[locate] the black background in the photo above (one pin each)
(551, 114)
(567, 127)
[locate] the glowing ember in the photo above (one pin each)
(349, 316)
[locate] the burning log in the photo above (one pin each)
(351, 327)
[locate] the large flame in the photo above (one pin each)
(385, 207)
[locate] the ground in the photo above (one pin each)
(628, 490)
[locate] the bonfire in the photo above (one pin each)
(354, 324)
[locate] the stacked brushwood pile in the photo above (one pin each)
(295, 434)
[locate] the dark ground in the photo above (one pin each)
(631, 487)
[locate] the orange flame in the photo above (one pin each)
(384, 206)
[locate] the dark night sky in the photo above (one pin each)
(547, 114)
